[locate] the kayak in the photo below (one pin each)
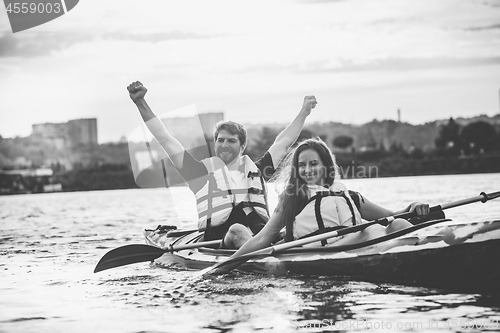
(436, 254)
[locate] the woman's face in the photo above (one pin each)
(311, 168)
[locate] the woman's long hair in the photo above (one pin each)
(293, 197)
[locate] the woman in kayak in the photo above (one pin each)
(314, 201)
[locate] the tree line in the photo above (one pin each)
(474, 147)
(454, 139)
(471, 148)
(475, 138)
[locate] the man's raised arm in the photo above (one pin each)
(171, 145)
(290, 134)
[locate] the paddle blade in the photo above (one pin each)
(128, 254)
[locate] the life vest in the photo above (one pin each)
(330, 209)
(218, 197)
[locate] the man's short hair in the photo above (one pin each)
(233, 128)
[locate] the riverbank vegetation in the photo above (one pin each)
(376, 149)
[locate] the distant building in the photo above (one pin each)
(83, 131)
(194, 133)
(74, 132)
(187, 129)
(179, 126)
(28, 181)
(208, 121)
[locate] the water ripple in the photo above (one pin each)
(50, 245)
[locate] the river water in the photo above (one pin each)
(50, 243)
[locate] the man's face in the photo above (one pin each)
(227, 146)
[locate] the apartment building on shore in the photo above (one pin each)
(69, 134)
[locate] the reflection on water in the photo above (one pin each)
(50, 243)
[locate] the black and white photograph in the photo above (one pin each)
(245, 166)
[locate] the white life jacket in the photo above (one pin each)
(331, 208)
(218, 197)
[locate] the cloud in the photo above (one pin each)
(38, 44)
(318, 1)
(45, 43)
(388, 64)
(397, 64)
(489, 27)
(154, 37)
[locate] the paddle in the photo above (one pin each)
(271, 250)
(135, 253)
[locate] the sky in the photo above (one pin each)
(254, 60)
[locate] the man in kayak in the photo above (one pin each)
(230, 188)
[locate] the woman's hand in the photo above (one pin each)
(421, 209)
